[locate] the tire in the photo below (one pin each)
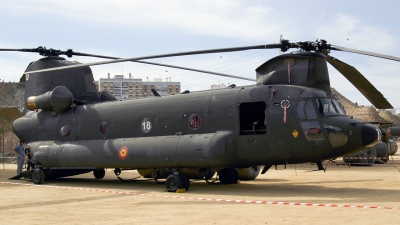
(173, 182)
(185, 180)
(38, 176)
(226, 176)
(99, 173)
(236, 175)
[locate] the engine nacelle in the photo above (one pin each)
(57, 100)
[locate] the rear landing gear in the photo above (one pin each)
(228, 176)
(177, 183)
(99, 173)
(173, 182)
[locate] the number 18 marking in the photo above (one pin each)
(146, 125)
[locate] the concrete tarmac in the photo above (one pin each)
(295, 195)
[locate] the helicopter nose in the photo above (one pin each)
(370, 135)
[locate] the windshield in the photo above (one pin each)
(329, 107)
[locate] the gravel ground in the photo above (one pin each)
(277, 197)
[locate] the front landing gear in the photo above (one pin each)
(38, 176)
(177, 183)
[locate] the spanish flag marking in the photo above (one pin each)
(123, 152)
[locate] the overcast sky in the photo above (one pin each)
(141, 28)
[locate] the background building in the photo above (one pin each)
(129, 88)
(218, 86)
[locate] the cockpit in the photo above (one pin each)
(308, 112)
(325, 106)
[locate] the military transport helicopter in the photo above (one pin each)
(288, 116)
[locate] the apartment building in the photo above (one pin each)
(130, 88)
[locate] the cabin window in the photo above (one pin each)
(65, 130)
(252, 118)
(104, 128)
(194, 121)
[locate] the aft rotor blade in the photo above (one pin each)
(163, 56)
(166, 65)
(338, 48)
(361, 83)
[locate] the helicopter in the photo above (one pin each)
(289, 115)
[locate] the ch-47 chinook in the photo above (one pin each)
(288, 116)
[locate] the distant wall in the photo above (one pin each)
(8, 141)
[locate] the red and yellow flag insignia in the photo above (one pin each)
(123, 152)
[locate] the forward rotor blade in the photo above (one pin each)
(361, 83)
(163, 56)
(196, 70)
(338, 48)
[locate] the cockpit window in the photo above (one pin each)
(310, 112)
(329, 107)
(339, 107)
(300, 110)
(312, 130)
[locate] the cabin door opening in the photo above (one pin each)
(252, 118)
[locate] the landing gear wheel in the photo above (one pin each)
(185, 180)
(38, 176)
(236, 175)
(226, 176)
(99, 173)
(173, 182)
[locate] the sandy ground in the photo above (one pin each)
(85, 200)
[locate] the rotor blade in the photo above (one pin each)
(361, 83)
(41, 50)
(196, 70)
(338, 48)
(18, 49)
(163, 56)
(166, 65)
